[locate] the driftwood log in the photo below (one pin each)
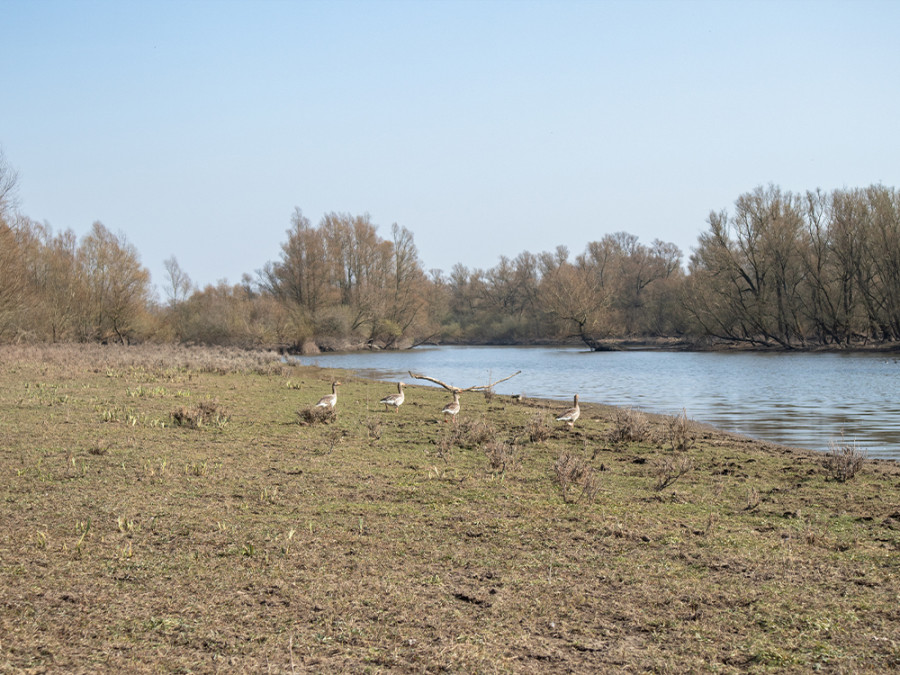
(458, 390)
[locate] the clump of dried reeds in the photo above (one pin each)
(205, 414)
(374, 427)
(670, 469)
(844, 460)
(629, 426)
(537, 428)
(577, 479)
(316, 415)
(503, 456)
(679, 432)
(475, 433)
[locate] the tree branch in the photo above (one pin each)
(449, 387)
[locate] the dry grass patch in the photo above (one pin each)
(316, 415)
(273, 546)
(204, 414)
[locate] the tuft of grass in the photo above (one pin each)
(313, 415)
(843, 460)
(205, 414)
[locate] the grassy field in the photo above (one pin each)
(169, 510)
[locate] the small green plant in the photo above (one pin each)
(127, 551)
(198, 469)
(83, 527)
(118, 413)
(125, 525)
(288, 541)
(147, 392)
(155, 472)
(844, 460)
(268, 495)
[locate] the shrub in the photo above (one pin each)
(502, 455)
(538, 429)
(844, 460)
(572, 473)
(670, 469)
(680, 433)
(474, 433)
(629, 425)
(374, 428)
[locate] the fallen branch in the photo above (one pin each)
(450, 387)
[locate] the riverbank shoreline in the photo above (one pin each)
(331, 346)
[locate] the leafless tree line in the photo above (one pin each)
(54, 288)
(792, 270)
(784, 270)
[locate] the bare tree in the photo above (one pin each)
(9, 185)
(574, 295)
(118, 284)
(178, 283)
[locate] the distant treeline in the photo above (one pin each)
(783, 270)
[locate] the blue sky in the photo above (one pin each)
(486, 128)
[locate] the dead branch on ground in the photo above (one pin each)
(450, 387)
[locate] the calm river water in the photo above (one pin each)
(804, 400)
